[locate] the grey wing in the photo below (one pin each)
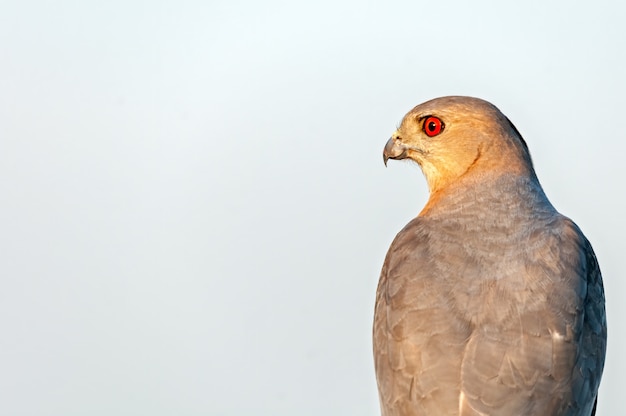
(418, 342)
(542, 352)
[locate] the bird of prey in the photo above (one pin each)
(489, 302)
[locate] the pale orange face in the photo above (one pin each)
(448, 139)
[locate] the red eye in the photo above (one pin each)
(433, 126)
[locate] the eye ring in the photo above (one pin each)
(433, 126)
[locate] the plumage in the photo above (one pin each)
(490, 302)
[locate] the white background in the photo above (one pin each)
(193, 204)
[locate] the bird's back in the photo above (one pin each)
(490, 302)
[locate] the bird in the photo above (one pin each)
(489, 302)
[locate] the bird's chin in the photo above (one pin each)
(401, 156)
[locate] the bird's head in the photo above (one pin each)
(451, 137)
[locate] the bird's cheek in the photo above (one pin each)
(416, 151)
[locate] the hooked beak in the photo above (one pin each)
(394, 149)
